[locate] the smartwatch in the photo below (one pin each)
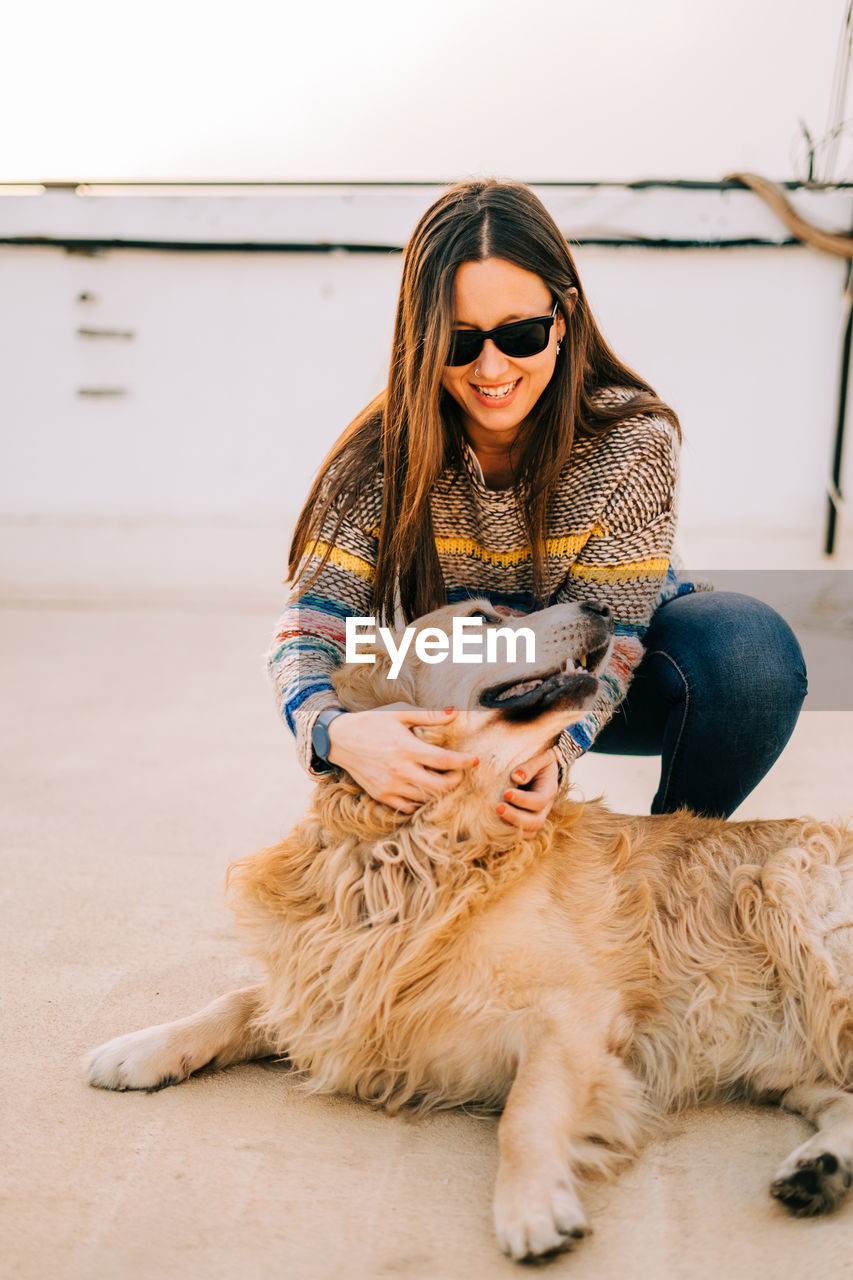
(320, 740)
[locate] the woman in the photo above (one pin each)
(513, 456)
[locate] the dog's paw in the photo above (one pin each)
(812, 1181)
(535, 1222)
(141, 1060)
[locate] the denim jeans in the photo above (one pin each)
(717, 695)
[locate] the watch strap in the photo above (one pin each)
(320, 741)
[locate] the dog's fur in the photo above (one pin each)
(583, 981)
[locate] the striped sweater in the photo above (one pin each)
(608, 538)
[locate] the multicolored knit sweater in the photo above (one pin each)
(609, 538)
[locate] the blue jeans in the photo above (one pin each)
(717, 695)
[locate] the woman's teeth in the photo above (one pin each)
(498, 393)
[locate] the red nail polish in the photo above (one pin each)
(501, 809)
(476, 759)
(507, 795)
(520, 774)
(447, 710)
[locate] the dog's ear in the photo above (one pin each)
(364, 685)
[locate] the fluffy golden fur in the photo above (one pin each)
(585, 981)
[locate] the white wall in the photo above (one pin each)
(241, 371)
(244, 367)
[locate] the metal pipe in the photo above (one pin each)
(833, 494)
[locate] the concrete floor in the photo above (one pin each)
(141, 754)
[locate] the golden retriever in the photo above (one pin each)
(583, 981)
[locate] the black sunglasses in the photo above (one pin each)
(519, 339)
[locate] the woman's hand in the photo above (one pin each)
(528, 806)
(378, 749)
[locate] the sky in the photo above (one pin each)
(432, 90)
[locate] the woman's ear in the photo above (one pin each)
(568, 306)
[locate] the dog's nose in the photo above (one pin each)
(600, 610)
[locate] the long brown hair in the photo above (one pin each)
(413, 429)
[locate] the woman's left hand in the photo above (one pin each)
(527, 806)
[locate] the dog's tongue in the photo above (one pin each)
(516, 690)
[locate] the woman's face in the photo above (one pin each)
(496, 392)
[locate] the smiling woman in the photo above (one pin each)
(514, 457)
(497, 371)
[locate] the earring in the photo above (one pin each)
(559, 344)
(476, 373)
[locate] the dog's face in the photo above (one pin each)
(516, 682)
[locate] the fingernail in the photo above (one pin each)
(447, 710)
(476, 759)
(520, 774)
(507, 795)
(502, 809)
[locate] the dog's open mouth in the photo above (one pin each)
(572, 681)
